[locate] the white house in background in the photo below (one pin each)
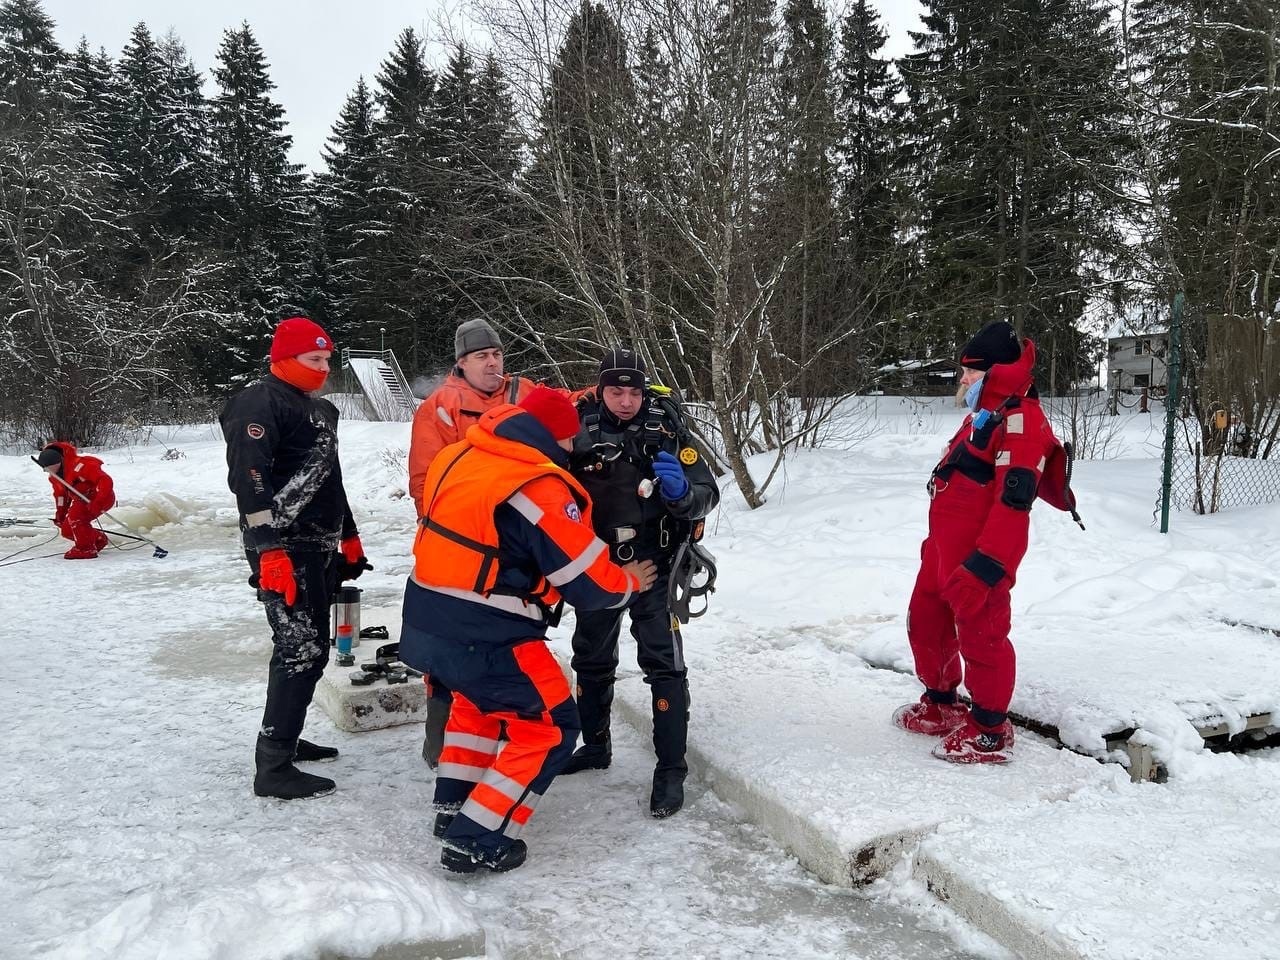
(1136, 359)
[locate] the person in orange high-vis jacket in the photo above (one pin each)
(505, 539)
(476, 385)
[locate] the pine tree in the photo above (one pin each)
(871, 171)
(263, 230)
(30, 59)
(581, 163)
(1016, 134)
(1209, 82)
(800, 228)
(343, 199)
(406, 205)
(77, 350)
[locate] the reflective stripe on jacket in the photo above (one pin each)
(459, 547)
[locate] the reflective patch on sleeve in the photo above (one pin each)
(444, 416)
(259, 518)
(1003, 458)
(578, 565)
(1040, 465)
(525, 507)
(1014, 423)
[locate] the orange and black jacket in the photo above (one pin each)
(86, 476)
(445, 417)
(505, 536)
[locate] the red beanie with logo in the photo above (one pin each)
(553, 410)
(298, 335)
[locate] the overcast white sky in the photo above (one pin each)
(316, 48)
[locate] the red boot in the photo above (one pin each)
(931, 719)
(86, 543)
(974, 744)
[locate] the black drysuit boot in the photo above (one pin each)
(595, 699)
(670, 737)
(278, 777)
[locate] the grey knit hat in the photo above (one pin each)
(474, 335)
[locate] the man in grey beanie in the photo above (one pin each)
(476, 385)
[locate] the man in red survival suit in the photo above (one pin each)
(74, 514)
(505, 534)
(980, 510)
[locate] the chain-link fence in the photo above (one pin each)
(1206, 482)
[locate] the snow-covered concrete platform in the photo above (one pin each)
(1187, 869)
(1208, 679)
(804, 744)
(1055, 856)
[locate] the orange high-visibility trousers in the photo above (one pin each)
(512, 728)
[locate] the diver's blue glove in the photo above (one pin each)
(671, 475)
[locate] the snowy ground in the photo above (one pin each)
(134, 688)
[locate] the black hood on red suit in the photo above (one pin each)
(69, 456)
(1005, 380)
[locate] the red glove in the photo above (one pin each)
(965, 594)
(354, 562)
(275, 574)
(352, 549)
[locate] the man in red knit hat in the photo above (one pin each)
(299, 537)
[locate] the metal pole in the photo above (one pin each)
(1171, 408)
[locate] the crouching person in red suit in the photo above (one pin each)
(979, 514)
(82, 491)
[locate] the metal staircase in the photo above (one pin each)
(382, 382)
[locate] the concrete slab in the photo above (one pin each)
(1137, 871)
(803, 742)
(356, 708)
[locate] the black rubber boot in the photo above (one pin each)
(309, 752)
(456, 861)
(437, 717)
(278, 777)
(670, 738)
(595, 700)
(443, 819)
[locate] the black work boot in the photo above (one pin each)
(595, 698)
(313, 752)
(437, 717)
(459, 861)
(278, 777)
(670, 737)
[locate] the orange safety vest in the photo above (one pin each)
(457, 543)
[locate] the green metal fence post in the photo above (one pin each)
(1171, 408)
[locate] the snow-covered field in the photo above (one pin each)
(134, 688)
